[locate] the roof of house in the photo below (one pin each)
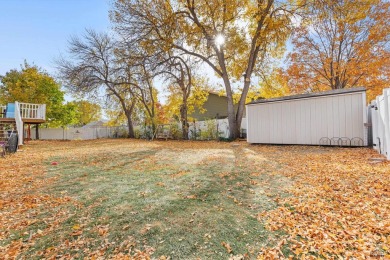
(96, 124)
(217, 93)
(310, 95)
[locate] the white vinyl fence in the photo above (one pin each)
(80, 133)
(379, 111)
(213, 129)
(200, 130)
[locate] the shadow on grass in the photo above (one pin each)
(184, 214)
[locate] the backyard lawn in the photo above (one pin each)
(132, 199)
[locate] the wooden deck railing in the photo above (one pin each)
(32, 111)
(26, 111)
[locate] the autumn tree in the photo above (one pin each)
(147, 95)
(341, 44)
(87, 112)
(94, 69)
(233, 37)
(274, 84)
(115, 114)
(177, 72)
(174, 69)
(182, 103)
(155, 63)
(65, 115)
(31, 84)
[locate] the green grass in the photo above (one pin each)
(184, 211)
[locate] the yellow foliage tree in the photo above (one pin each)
(196, 100)
(87, 112)
(275, 84)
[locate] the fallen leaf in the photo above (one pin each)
(76, 227)
(227, 247)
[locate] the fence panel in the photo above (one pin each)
(379, 110)
(79, 133)
(200, 130)
(213, 129)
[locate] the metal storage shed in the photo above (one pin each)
(335, 117)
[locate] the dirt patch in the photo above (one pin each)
(193, 156)
(254, 157)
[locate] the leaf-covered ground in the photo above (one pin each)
(131, 199)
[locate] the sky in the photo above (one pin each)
(38, 30)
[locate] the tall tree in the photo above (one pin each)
(115, 114)
(231, 36)
(65, 115)
(31, 84)
(147, 95)
(87, 112)
(342, 44)
(183, 101)
(155, 62)
(177, 72)
(95, 69)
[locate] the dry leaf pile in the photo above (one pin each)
(340, 206)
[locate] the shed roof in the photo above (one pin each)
(310, 95)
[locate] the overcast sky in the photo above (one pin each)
(38, 30)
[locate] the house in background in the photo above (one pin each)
(215, 106)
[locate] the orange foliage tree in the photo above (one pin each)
(341, 44)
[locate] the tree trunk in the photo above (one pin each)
(130, 125)
(233, 133)
(37, 131)
(184, 119)
(131, 130)
(232, 120)
(241, 104)
(233, 130)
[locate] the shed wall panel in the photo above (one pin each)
(348, 116)
(322, 117)
(302, 133)
(336, 117)
(315, 121)
(342, 118)
(275, 131)
(307, 120)
(329, 118)
(357, 120)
